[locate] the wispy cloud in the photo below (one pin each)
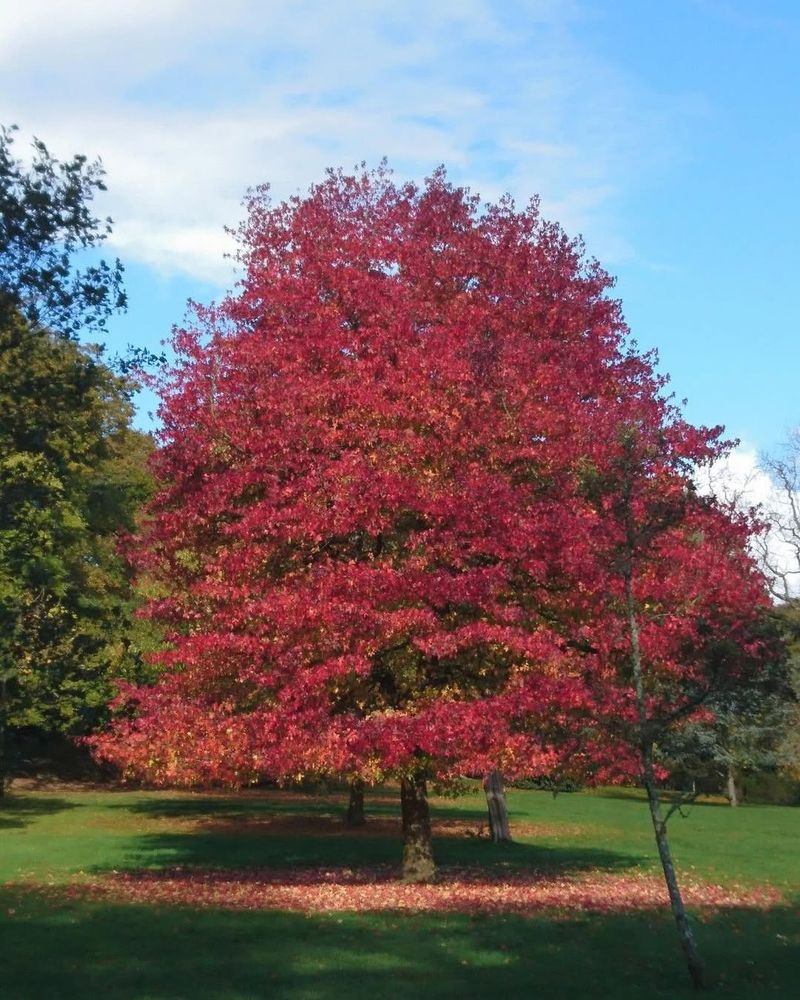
(740, 479)
(191, 102)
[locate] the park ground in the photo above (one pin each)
(145, 895)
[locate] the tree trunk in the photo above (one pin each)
(418, 864)
(496, 804)
(355, 807)
(733, 798)
(685, 935)
(3, 736)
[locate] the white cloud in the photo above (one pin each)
(740, 479)
(191, 101)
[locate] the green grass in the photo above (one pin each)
(75, 949)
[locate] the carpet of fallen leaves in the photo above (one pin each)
(314, 890)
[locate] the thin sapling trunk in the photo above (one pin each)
(693, 961)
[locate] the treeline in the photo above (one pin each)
(73, 471)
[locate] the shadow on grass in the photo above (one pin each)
(284, 830)
(210, 849)
(222, 806)
(382, 805)
(129, 952)
(17, 812)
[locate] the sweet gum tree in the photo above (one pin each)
(378, 538)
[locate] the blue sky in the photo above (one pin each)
(666, 133)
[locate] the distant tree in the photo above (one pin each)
(72, 477)
(787, 616)
(754, 728)
(779, 545)
(46, 228)
(779, 554)
(744, 727)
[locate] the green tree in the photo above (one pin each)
(72, 476)
(787, 616)
(47, 227)
(746, 725)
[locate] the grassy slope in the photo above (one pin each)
(73, 950)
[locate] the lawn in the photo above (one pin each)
(63, 939)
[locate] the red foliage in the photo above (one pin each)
(387, 530)
(373, 890)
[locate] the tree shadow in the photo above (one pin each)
(209, 848)
(520, 857)
(210, 807)
(667, 796)
(18, 811)
(125, 952)
(226, 805)
(287, 830)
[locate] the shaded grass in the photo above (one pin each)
(66, 952)
(18, 812)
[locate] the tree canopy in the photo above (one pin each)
(396, 533)
(47, 229)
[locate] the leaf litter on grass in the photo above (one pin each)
(374, 889)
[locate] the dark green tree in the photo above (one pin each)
(787, 616)
(72, 477)
(48, 229)
(746, 725)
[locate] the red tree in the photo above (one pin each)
(379, 541)
(676, 605)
